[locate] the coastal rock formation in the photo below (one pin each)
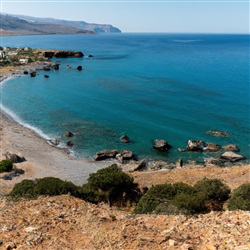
(79, 68)
(231, 156)
(125, 155)
(161, 145)
(179, 163)
(135, 166)
(196, 145)
(212, 147)
(46, 76)
(124, 139)
(231, 147)
(69, 134)
(63, 54)
(105, 154)
(25, 72)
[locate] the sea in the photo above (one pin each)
(147, 86)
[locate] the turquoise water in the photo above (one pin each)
(147, 86)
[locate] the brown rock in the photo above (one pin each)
(196, 145)
(125, 155)
(69, 134)
(161, 145)
(212, 147)
(231, 156)
(135, 166)
(125, 139)
(105, 154)
(70, 144)
(231, 147)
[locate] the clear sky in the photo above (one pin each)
(202, 16)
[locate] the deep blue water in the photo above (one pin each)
(147, 86)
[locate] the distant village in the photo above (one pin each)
(18, 56)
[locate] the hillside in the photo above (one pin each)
(65, 222)
(97, 28)
(16, 26)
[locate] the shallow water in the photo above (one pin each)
(147, 86)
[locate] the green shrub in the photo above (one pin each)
(240, 198)
(190, 203)
(23, 189)
(6, 166)
(215, 193)
(54, 186)
(110, 185)
(159, 198)
(44, 186)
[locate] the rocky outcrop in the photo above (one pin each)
(46, 76)
(105, 154)
(53, 142)
(125, 155)
(161, 145)
(124, 139)
(14, 157)
(56, 66)
(231, 147)
(196, 145)
(231, 156)
(67, 54)
(134, 166)
(212, 147)
(79, 68)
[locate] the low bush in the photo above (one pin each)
(6, 166)
(159, 199)
(23, 189)
(110, 185)
(214, 191)
(45, 186)
(240, 199)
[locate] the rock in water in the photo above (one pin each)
(125, 139)
(212, 147)
(231, 156)
(196, 145)
(70, 144)
(79, 68)
(69, 134)
(231, 147)
(125, 155)
(105, 154)
(33, 74)
(161, 145)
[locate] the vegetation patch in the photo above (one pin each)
(240, 199)
(6, 166)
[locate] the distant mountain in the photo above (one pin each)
(15, 26)
(97, 28)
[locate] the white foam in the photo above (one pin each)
(15, 118)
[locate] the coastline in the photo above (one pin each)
(43, 160)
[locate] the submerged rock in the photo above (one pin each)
(69, 134)
(161, 145)
(46, 76)
(217, 133)
(125, 139)
(79, 68)
(105, 154)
